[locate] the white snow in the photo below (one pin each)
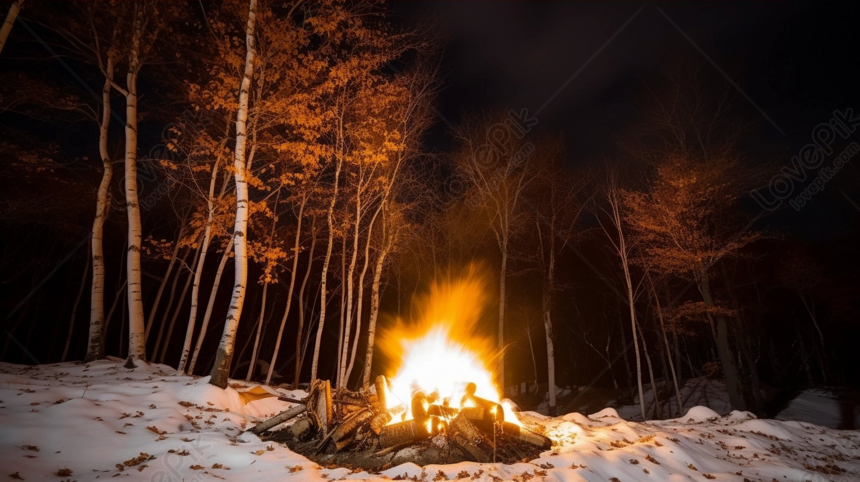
(90, 419)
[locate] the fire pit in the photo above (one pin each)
(441, 406)
(373, 429)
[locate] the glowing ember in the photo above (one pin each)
(440, 351)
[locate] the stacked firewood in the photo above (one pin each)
(346, 420)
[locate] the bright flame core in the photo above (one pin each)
(439, 351)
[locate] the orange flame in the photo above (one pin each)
(440, 350)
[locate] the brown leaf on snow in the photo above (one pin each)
(31, 448)
(143, 457)
(63, 473)
(16, 476)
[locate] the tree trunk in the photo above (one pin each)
(296, 247)
(727, 360)
(95, 346)
(657, 412)
(164, 280)
(550, 354)
(324, 280)
(374, 315)
(624, 353)
(204, 326)
(75, 307)
(136, 325)
(158, 337)
(343, 306)
(198, 273)
(342, 375)
(197, 257)
(221, 369)
(10, 20)
(299, 347)
(630, 302)
(359, 302)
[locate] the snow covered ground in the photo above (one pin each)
(75, 422)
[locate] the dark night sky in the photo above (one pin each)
(797, 61)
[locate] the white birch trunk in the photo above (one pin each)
(136, 325)
(198, 273)
(204, 326)
(221, 370)
(632, 306)
(323, 282)
(657, 410)
(95, 348)
(10, 21)
(359, 301)
(343, 306)
(374, 315)
(349, 292)
(611, 192)
(547, 321)
(178, 308)
(299, 350)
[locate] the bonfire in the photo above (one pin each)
(440, 406)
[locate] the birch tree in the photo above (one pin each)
(611, 217)
(95, 346)
(221, 370)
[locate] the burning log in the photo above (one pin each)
(419, 406)
(380, 386)
(481, 409)
(444, 412)
(338, 424)
(402, 433)
(467, 437)
(380, 421)
(350, 425)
